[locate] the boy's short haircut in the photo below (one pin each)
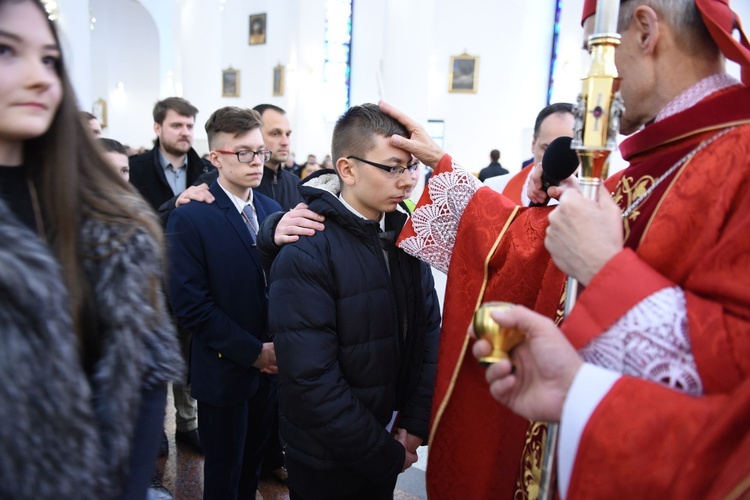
(177, 104)
(355, 131)
(231, 120)
(113, 146)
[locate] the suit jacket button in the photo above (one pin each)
(219, 354)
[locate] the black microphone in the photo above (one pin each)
(558, 163)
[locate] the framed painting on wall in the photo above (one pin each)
(257, 29)
(278, 80)
(230, 82)
(464, 73)
(99, 110)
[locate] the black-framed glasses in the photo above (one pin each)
(247, 156)
(391, 171)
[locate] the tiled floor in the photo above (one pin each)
(181, 472)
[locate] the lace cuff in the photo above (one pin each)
(430, 233)
(651, 341)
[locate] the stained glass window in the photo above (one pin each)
(553, 58)
(337, 66)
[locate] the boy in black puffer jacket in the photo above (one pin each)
(357, 351)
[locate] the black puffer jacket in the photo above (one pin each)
(349, 351)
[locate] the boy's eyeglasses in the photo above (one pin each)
(393, 172)
(247, 156)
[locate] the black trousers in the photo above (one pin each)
(146, 439)
(233, 439)
(307, 483)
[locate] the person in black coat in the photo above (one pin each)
(357, 352)
(172, 165)
(160, 174)
(278, 183)
(494, 168)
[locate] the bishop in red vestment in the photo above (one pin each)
(671, 305)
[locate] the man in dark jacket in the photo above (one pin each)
(173, 165)
(494, 168)
(278, 183)
(357, 353)
(160, 174)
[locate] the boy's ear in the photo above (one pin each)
(345, 170)
(214, 159)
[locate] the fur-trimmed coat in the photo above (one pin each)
(65, 433)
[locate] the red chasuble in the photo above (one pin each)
(691, 231)
(673, 446)
(514, 187)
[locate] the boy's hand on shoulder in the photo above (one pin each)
(300, 221)
(195, 193)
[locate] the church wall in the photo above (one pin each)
(400, 52)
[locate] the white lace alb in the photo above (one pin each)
(436, 223)
(650, 341)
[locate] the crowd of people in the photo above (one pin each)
(292, 308)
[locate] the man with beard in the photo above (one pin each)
(159, 175)
(173, 165)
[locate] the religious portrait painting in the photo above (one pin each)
(257, 29)
(230, 82)
(278, 80)
(464, 73)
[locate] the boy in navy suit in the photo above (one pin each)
(218, 290)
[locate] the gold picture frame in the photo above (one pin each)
(464, 74)
(278, 80)
(257, 29)
(230, 82)
(99, 110)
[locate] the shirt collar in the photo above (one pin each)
(355, 212)
(164, 162)
(238, 203)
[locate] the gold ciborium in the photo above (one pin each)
(503, 339)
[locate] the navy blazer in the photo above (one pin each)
(218, 291)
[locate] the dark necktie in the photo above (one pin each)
(250, 221)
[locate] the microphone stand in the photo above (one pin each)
(597, 123)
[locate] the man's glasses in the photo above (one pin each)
(247, 156)
(393, 172)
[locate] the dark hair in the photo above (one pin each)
(112, 146)
(557, 108)
(355, 130)
(86, 116)
(262, 108)
(176, 104)
(76, 182)
(494, 155)
(231, 120)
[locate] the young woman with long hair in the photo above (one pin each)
(86, 345)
